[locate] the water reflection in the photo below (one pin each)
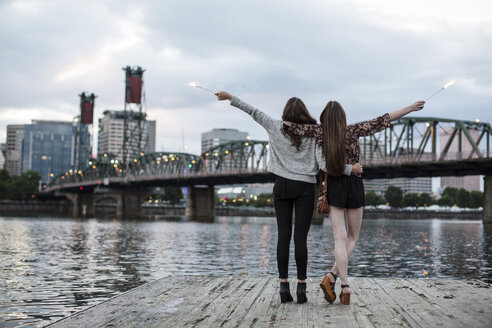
(53, 267)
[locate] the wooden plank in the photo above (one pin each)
(454, 297)
(253, 302)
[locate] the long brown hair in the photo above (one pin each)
(295, 111)
(334, 125)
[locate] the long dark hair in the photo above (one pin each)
(295, 111)
(334, 125)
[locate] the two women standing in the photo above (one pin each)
(299, 148)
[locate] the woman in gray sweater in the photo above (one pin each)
(295, 162)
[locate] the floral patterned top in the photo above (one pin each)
(354, 131)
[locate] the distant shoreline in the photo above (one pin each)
(64, 208)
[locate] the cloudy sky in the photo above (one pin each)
(372, 56)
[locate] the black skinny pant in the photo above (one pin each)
(289, 195)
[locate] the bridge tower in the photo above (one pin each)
(84, 131)
(134, 123)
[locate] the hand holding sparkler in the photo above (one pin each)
(223, 95)
(416, 106)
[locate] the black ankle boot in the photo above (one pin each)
(301, 293)
(285, 295)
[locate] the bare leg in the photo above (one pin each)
(337, 219)
(354, 220)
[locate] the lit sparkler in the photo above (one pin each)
(450, 83)
(196, 85)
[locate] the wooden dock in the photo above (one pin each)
(254, 302)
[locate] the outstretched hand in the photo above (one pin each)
(223, 95)
(416, 106)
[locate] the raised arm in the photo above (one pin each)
(367, 128)
(306, 130)
(416, 106)
(263, 119)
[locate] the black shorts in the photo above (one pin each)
(345, 191)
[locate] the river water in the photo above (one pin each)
(52, 267)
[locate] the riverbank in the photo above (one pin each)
(65, 208)
(204, 301)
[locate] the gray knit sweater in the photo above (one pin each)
(285, 160)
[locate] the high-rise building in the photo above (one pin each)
(49, 147)
(13, 151)
(2, 155)
(110, 139)
(221, 136)
(151, 141)
(469, 182)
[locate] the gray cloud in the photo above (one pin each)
(369, 59)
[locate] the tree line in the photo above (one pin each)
(451, 196)
(17, 187)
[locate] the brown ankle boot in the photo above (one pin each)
(345, 297)
(328, 288)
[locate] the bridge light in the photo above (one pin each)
(193, 161)
(52, 175)
(116, 161)
(248, 137)
(158, 162)
(115, 165)
(267, 146)
(172, 158)
(166, 160)
(99, 182)
(112, 161)
(105, 155)
(141, 154)
(246, 144)
(227, 152)
(80, 172)
(189, 165)
(93, 166)
(427, 124)
(206, 154)
(134, 160)
(90, 162)
(63, 177)
(394, 138)
(477, 120)
(216, 154)
(81, 188)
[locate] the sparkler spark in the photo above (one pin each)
(196, 85)
(450, 83)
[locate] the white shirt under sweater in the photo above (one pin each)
(285, 160)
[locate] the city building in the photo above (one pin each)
(151, 142)
(416, 185)
(470, 182)
(2, 155)
(49, 147)
(110, 138)
(220, 136)
(13, 151)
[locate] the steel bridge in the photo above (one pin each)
(409, 147)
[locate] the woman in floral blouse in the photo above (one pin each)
(341, 146)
